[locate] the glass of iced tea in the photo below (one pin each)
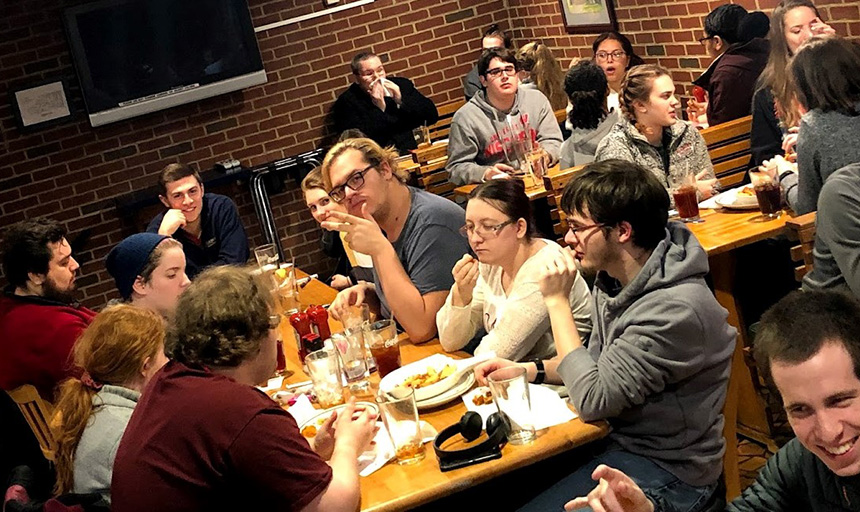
(683, 188)
(384, 345)
(768, 194)
(400, 415)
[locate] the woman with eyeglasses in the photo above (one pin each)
(497, 289)
(614, 53)
(650, 133)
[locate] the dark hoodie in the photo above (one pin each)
(730, 80)
(481, 134)
(657, 363)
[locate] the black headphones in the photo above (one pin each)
(470, 427)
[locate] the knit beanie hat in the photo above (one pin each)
(126, 261)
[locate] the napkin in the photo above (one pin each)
(302, 410)
(548, 409)
(383, 449)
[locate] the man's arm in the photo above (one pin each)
(463, 148)
(415, 108)
(838, 226)
(548, 132)
(231, 234)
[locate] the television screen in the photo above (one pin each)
(129, 53)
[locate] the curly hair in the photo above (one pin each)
(221, 319)
(26, 250)
(373, 154)
(586, 87)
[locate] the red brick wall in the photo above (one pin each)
(72, 172)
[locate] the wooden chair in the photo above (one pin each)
(561, 115)
(554, 183)
(442, 127)
(430, 173)
(802, 230)
(729, 149)
(37, 412)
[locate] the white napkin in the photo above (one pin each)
(548, 409)
(302, 410)
(272, 384)
(383, 449)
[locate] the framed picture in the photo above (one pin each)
(588, 16)
(40, 105)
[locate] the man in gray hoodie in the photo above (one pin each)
(489, 132)
(657, 363)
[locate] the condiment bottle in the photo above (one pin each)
(319, 318)
(302, 325)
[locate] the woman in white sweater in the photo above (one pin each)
(499, 290)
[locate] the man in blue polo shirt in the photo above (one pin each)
(207, 225)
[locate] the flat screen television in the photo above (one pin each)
(138, 56)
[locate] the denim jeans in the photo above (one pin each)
(655, 481)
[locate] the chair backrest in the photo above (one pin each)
(37, 412)
(442, 127)
(561, 115)
(802, 230)
(729, 149)
(430, 173)
(554, 182)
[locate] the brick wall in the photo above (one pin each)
(72, 172)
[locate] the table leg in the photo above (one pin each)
(752, 415)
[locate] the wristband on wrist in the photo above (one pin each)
(541, 372)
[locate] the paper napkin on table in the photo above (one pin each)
(548, 409)
(383, 449)
(302, 410)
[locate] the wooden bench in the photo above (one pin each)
(729, 149)
(430, 173)
(554, 182)
(442, 127)
(802, 230)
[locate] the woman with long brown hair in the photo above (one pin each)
(117, 354)
(775, 110)
(539, 69)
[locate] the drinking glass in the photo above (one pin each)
(400, 415)
(359, 316)
(350, 346)
(510, 390)
(384, 345)
(768, 194)
(684, 192)
(327, 376)
(422, 136)
(267, 259)
(287, 291)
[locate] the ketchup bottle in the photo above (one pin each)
(319, 318)
(302, 325)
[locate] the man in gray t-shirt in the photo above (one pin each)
(411, 235)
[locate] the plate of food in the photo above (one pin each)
(464, 385)
(432, 376)
(740, 198)
(310, 427)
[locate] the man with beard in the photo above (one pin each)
(39, 324)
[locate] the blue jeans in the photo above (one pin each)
(655, 481)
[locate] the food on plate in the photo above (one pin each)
(483, 397)
(431, 376)
(309, 431)
(747, 191)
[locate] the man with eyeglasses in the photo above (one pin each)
(411, 236)
(657, 362)
(386, 109)
(492, 132)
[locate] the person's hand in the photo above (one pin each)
(324, 440)
(393, 89)
(819, 28)
(465, 274)
(557, 278)
(695, 109)
(789, 142)
(340, 282)
(377, 94)
(173, 220)
(706, 188)
(776, 166)
(355, 428)
(484, 369)
(352, 296)
(615, 492)
(498, 171)
(362, 232)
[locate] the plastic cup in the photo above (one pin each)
(511, 394)
(400, 415)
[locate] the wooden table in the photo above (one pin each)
(722, 232)
(536, 192)
(395, 487)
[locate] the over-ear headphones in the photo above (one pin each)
(470, 427)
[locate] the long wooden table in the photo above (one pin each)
(395, 487)
(536, 192)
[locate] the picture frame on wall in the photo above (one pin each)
(588, 16)
(41, 104)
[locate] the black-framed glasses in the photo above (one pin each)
(617, 54)
(703, 39)
(354, 182)
(578, 230)
(509, 70)
(483, 230)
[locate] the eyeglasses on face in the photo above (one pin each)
(577, 231)
(703, 39)
(617, 54)
(485, 231)
(354, 182)
(509, 70)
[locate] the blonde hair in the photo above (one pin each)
(637, 86)
(537, 59)
(373, 154)
(112, 350)
(313, 180)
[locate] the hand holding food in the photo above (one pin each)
(465, 274)
(557, 278)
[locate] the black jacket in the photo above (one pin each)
(766, 134)
(355, 109)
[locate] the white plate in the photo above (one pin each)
(315, 419)
(398, 376)
(731, 199)
(450, 395)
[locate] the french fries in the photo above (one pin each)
(431, 376)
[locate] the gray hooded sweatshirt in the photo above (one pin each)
(580, 147)
(657, 363)
(480, 136)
